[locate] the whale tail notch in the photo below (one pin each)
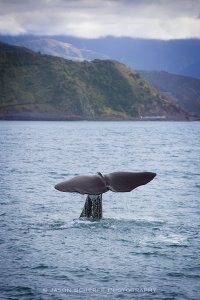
(98, 184)
(95, 185)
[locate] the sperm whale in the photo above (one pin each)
(95, 185)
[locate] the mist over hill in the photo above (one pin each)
(174, 56)
(61, 49)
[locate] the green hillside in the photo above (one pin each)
(183, 90)
(35, 86)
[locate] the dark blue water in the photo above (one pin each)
(147, 245)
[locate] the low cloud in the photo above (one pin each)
(96, 18)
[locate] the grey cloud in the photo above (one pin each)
(94, 18)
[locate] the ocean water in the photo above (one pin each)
(147, 244)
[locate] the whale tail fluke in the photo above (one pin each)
(95, 185)
(99, 184)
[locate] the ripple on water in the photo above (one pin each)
(175, 274)
(40, 267)
(3, 214)
(17, 291)
(172, 240)
(114, 223)
(126, 225)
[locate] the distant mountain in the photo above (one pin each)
(174, 56)
(184, 90)
(60, 49)
(36, 86)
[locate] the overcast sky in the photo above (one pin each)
(162, 19)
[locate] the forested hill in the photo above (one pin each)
(35, 86)
(182, 89)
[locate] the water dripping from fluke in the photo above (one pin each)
(95, 185)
